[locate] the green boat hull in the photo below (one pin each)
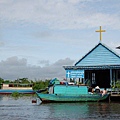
(70, 93)
(71, 98)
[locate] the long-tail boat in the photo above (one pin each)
(58, 92)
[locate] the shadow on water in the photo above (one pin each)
(23, 109)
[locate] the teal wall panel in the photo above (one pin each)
(69, 89)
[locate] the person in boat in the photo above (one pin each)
(97, 89)
(90, 90)
(104, 92)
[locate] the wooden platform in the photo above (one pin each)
(115, 92)
(114, 95)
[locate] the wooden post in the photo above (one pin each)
(109, 97)
(111, 77)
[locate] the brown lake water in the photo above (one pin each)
(23, 109)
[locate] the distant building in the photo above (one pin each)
(100, 66)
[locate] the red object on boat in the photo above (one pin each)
(34, 101)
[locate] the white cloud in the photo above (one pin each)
(71, 14)
(44, 62)
(13, 68)
(44, 31)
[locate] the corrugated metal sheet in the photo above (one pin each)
(100, 55)
(97, 67)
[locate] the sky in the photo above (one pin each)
(39, 37)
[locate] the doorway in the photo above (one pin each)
(99, 78)
(103, 78)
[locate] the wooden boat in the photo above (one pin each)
(14, 87)
(70, 93)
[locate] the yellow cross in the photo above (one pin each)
(100, 32)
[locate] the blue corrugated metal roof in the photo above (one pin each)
(97, 67)
(99, 55)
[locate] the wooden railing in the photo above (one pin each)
(115, 92)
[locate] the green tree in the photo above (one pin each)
(6, 81)
(1, 80)
(40, 85)
(117, 84)
(24, 80)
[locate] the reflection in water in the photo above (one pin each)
(68, 110)
(86, 110)
(23, 109)
(104, 111)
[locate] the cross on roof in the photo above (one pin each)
(100, 32)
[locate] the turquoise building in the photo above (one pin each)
(100, 66)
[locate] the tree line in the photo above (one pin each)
(36, 85)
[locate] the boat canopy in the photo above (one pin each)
(54, 81)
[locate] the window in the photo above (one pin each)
(93, 78)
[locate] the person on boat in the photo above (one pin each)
(97, 89)
(90, 90)
(104, 92)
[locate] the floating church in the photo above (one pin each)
(100, 66)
